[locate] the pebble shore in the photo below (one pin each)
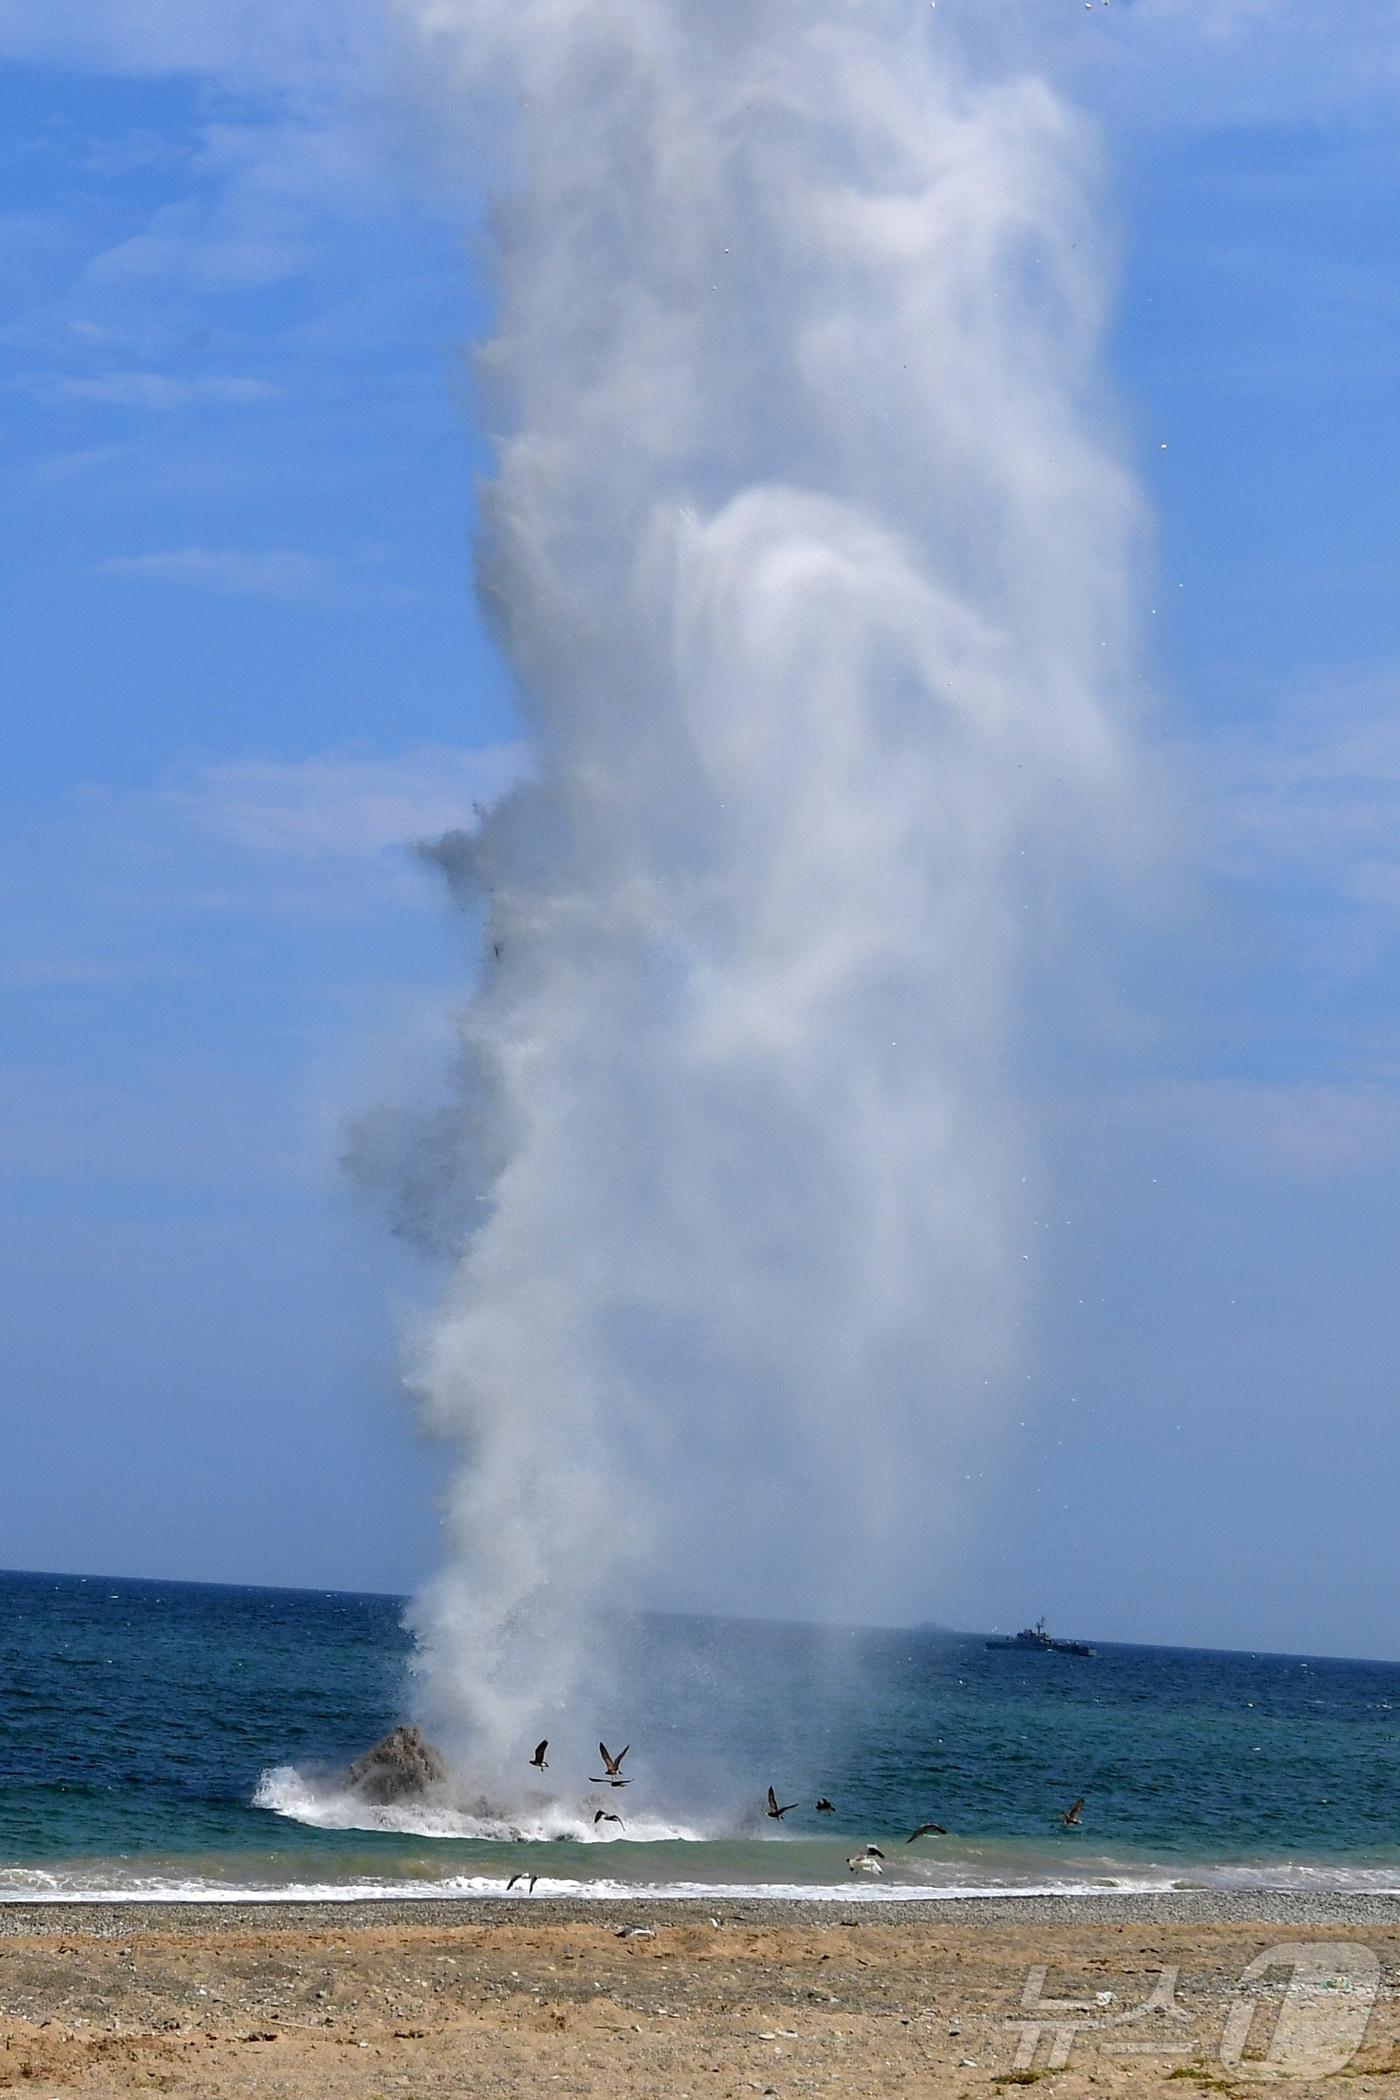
(1267, 1907)
(1109, 1997)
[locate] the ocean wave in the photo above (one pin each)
(110, 1881)
(116, 1888)
(865, 1895)
(327, 1805)
(1291, 1877)
(18, 1882)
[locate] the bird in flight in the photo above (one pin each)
(1071, 1816)
(825, 1807)
(773, 1808)
(539, 1760)
(602, 1816)
(926, 1830)
(867, 1862)
(611, 1767)
(523, 1875)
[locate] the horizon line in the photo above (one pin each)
(924, 1626)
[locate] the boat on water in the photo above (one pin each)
(1036, 1639)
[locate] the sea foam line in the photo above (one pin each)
(572, 1890)
(285, 1791)
(38, 1886)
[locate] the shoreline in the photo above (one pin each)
(1114, 1997)
(115, 1918)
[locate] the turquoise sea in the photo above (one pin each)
(177, 1739)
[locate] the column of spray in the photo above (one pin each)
(812, 575)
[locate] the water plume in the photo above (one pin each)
(812, 567)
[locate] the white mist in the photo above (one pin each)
(812, 567)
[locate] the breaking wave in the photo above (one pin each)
(328, 1805)
(109, 1881)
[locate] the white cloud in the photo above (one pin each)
(1317, 789)
(1302, 850)
(130, 152)
(273, 572)
(219, 250)
(255, 42)
(43, 973)
(260, 195)
(157, 391)
(348, 805)
(286, 573)
(1311, 1129)
(90, 463)
(1195, 64)
(318, 136)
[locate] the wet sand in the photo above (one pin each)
(647, 1999)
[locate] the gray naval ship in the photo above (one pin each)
(1035, 1638)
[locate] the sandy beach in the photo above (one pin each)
(367, 2001)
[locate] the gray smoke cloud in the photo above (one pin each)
(812, 562)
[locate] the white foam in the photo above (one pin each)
(154, 1889)
(101, 1884)
(1291, 1876)
(16, 1882)
(285, 1791)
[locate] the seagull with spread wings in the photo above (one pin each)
(773, 1808)
(539, 1760)
(926, 1830)
(1072, 1815)
(611, 1765)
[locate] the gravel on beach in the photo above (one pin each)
(1108, 1997)
(1282, 1907)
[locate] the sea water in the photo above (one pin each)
(169, 1739)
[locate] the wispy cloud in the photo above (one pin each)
(60, 972)
(57, 471)
(160, 392)
(1253, 62)
(281, 43)
(230, 251)
(1317, 789)
(1311, 1129)
(130, 152)
(273, 572)
(1302, 851)
(348, 805)
(56, 331)
(1184, 65)
(261, 196)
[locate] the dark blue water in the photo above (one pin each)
(139, 1724)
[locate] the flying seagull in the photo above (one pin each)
(825, 1807)
(1071, 1816)
(602, 1816)
(539, 1760)
(926, 1830)
(523, 1875)
(611, 1765)
(773, 1808)
(867, 1862)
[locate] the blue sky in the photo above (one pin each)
(243, 666)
